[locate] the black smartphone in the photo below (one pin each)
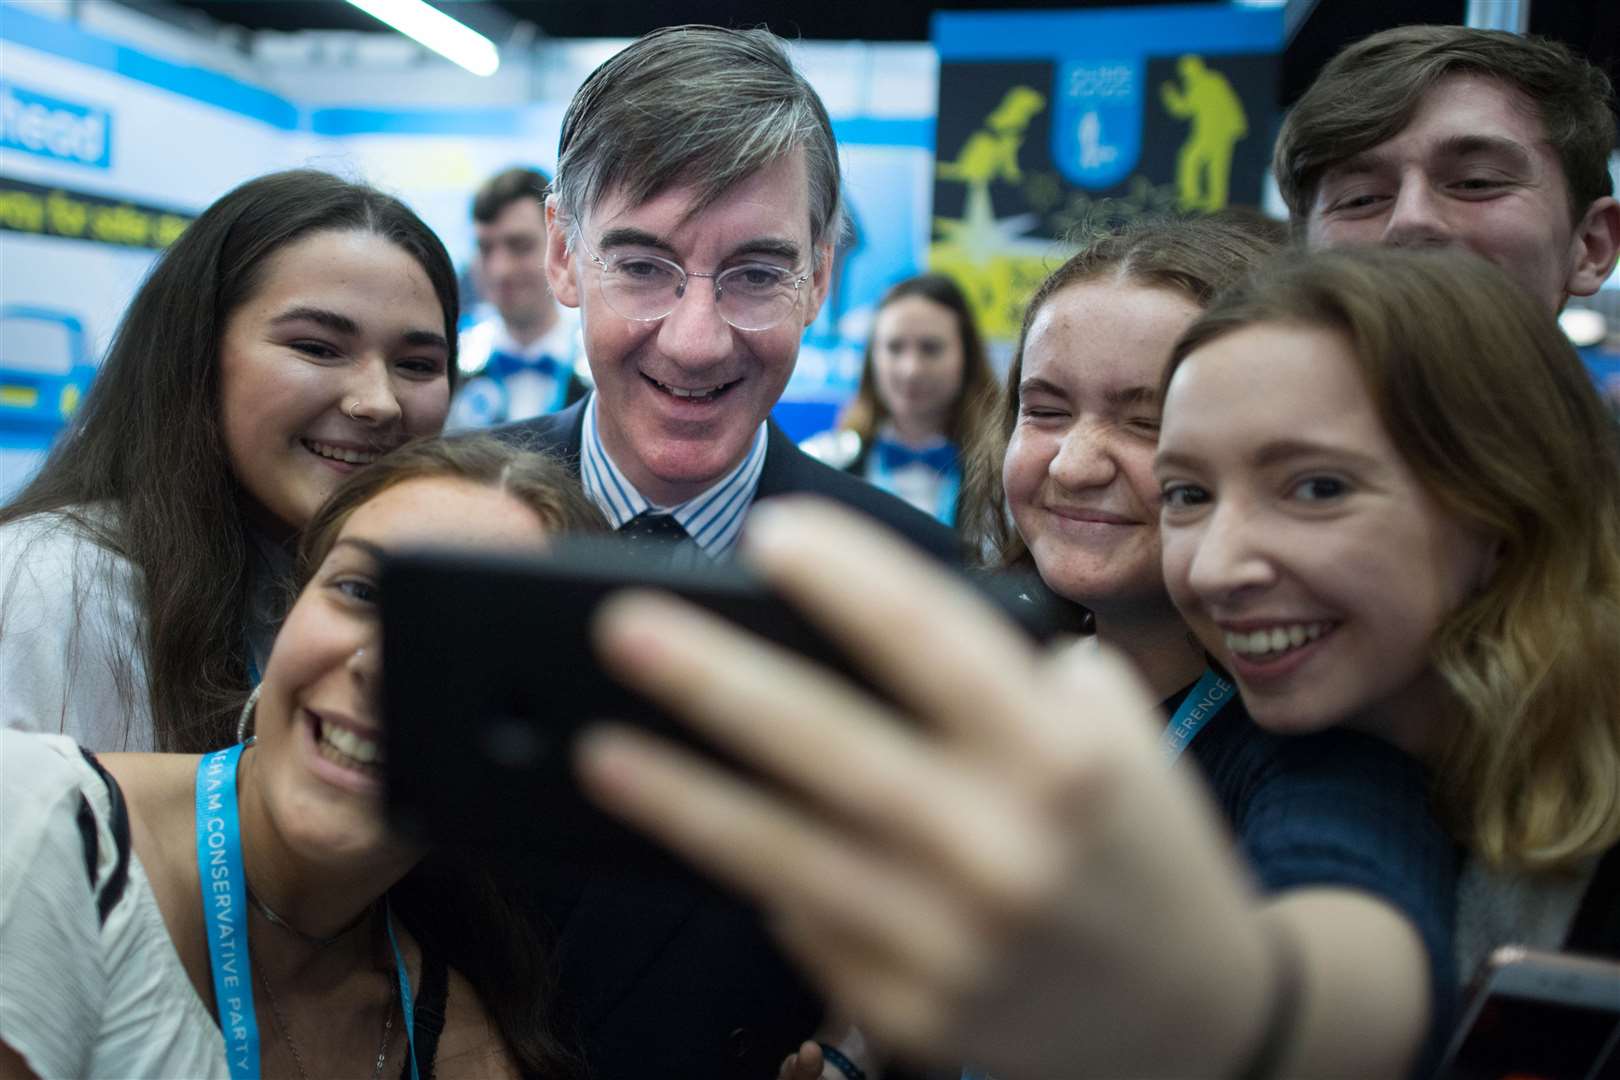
(1538, 1016)
(489, 673)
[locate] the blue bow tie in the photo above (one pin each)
(504, 363)
(894, 455)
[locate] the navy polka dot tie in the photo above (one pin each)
(656, 536)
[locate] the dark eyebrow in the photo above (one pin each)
(625, 236)
(628, 237)
(786, 250)
(342, 324)
(1282, 450)
(1458, 146)
(338, 324)
(1272, 453)
(1454, 146)
(426, 338)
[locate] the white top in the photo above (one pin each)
(486, 398)
(72, 636)
(79, 997)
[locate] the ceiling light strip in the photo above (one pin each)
(426, 24)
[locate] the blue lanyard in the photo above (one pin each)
(1206, 699)
(944, 503)
(224, 900)
(405, 1007)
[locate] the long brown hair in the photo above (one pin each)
(1191, 256)
(975, 398)
(142, 470)
(1495, 413)
(451, 902)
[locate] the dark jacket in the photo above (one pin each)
(788, 470)
(657, 978)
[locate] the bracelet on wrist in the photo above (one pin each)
(840, 1061)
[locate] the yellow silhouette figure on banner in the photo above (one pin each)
(1204, 165)
(991, 153)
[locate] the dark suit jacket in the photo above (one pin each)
(788, 470)
(659, 979)
(577, 389)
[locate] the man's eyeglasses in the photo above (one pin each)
(645, 288)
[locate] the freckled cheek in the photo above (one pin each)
(1023, 471)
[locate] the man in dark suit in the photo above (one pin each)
(692, 221)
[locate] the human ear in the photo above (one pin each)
(1595, 246)
(559, 257)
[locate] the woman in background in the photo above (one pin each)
(327, 946)
(925, 390)
(300, 327)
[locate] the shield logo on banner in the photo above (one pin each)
(1097, 125)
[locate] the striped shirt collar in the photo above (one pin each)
(713, 519)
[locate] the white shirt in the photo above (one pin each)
(713, 519)
(72, 636)
(488, 397)
(82, 997)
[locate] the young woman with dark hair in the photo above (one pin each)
(925, 390)
(302, 325)
(325, 945)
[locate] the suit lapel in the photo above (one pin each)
(781, 472)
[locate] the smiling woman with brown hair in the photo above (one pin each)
(259, 888)
(302, 325)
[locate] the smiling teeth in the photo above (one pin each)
(678, 392)
(1277, 639)
(341, 743)
(339, 453)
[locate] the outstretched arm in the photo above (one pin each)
(1017, 881)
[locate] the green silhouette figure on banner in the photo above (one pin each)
(1204, 165)
(991, 153)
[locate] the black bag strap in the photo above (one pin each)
(112, 890)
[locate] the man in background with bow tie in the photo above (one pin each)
(520, 362)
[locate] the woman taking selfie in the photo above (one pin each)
(1379, 543)
(1371, 531)
(300, 327)
(925, 389)
(247, 911)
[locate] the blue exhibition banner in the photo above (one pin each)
(46, 126)
(1053, 123)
